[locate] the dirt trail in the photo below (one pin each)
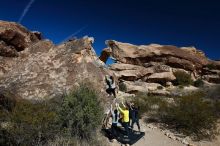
(156, 137)
(153, 137)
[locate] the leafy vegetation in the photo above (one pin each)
(199, 83)
(30, 123)
(81, 112)
(211, 66)
(160, 87)
(122, 87)
(191, 114)
(147, 103)
(74, 120)
(182, 78)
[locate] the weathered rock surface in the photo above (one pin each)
(43, 70)
(161, 77)
(137, 86)
(212, 78)
(34, 68)
(131, 54)
(15, 38)
(157, 64)
(130, 72)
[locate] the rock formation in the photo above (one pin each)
(32, 68)
(155, 63)
(15, 38)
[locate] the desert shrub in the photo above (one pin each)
(191, 115)
(160, 87)
(147, 103)
(30, 124)
(81, 113)
(181, 87)
(216, 104)
(182, 78)
(7, 100)
(122, 87)
(213, 92)
(211, 66)
(71, 120)
(198, 83)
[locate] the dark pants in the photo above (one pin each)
(126, 125)
(111, 91)
(114, 129)
(135, 121)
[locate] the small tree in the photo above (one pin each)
(81, 112)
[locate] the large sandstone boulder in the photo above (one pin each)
(143, 87)
(170, 55)
(130, 72)
(161, 77)
(212, 78)
(137, 86)
(214, 64)
(15, 38)
(156, 63)
(193, 50)
(43, 70)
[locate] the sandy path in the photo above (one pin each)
(153, 137)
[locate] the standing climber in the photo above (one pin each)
(115, 118)
(111, 85)
(125, 119)
(134, 116)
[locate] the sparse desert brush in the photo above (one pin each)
(147, 103)
(182, 78)
(191, 115)
(199, 83)
(122, 87)
(30, 123)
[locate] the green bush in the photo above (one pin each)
(182, 78)
(160, 87)
(81, 112)
(191, 115)
(122, 87)
(216, 104)
(30, 124)
(181, 87)
(198, 83)
(211, 66)
(74, 118)
(7, 100)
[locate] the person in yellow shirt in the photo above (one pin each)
(125, 119)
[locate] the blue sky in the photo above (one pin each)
(168, 22)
